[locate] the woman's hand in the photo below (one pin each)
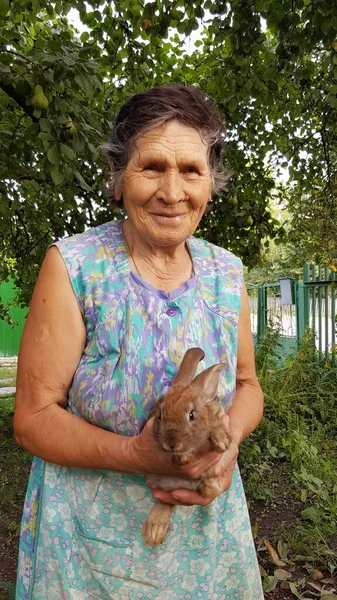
(186, 497)
(147, 457)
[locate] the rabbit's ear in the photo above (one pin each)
(188, 366)
(207, 382)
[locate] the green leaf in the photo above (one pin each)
(85, 83)
(44, 135)
(81, 181)
(92, 64)
(294, 590)
(53, 155)
(46, 125)
(69, 61)
(67, 151)
(84, 36)
(48, 58)
(311, 514)
(271, 584)
(4, 7)
(32, 130)
(57, 176)
(232, 105)
(17, 16)
(282, 549)
(78, 144)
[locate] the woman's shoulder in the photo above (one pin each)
(99, 237)
(95, 254)
(97, 266)
(221, 277)
(211, 254)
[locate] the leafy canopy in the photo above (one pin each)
(270, 65)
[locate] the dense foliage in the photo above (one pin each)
(270, 65)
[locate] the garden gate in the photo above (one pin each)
(292, 306)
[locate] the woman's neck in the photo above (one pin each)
(165, 268)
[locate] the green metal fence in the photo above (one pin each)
(273, 311)
(317, 304)
(312, 304)
(10, 335)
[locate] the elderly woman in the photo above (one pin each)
(113, 312)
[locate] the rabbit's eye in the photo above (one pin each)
(191, 415)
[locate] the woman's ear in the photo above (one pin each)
(118, 193)
(117, 187)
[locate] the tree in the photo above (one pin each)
(270, 65)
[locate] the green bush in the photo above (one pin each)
(295, 445)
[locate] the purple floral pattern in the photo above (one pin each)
(81, 529)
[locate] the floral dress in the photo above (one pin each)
(81, 528)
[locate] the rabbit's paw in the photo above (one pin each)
(180, 459)
(157, 524)
(220, 439)
(210, 487)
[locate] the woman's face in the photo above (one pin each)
(167, 184)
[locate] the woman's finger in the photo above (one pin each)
(228, 461)
(181, 497)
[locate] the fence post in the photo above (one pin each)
(302, 309)
(261, 312)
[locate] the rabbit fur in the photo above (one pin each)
(186, 418)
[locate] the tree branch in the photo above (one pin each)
(12, 140)
(9, 89)
(25, 58)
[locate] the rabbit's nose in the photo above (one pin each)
(172, 446)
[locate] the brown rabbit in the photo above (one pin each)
(186, 418)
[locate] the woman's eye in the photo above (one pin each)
(151, 168)
(191, 170)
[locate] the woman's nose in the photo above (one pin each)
(171, 188)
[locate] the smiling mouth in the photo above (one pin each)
(168, 216)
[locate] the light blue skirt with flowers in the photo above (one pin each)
(81, 529)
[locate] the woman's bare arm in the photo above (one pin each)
(51, 348)
(246, 411)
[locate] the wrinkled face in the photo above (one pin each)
(167, 184)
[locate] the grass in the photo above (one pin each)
(7, 376)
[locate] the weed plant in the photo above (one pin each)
(14, 470)
(294, 450)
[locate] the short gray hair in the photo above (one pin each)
(144, 111)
